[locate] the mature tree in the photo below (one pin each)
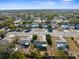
(9, 22)
(24, 22)
(2, 34)
(5, 50)
(2, 24)
(17, 55)
(48, 22)
(49, 26)
(36, 54)
(46, 53)
(50, 17)
(34, 37)
(12, 26)
(48, 38)
(74, 21)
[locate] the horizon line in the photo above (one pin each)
(40, 9)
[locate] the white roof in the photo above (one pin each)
(66, 30)
(59, 45)
(11, 36)
(16, 49)
(26, 43)
(44, 45)
(77, 30)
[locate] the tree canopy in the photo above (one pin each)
(17, 55)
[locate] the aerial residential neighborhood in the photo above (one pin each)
(39, 29)
(42, 36)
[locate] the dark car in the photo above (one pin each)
(10, 30)
(50, 30)
(18, 30)
(27, 30)
(77, 27)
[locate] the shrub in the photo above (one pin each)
(48, 39)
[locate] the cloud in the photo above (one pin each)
(67, 2)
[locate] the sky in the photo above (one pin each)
(39, 4)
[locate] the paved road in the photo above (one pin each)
(55, 33)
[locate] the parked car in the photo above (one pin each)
(77, 26)
(27, 30)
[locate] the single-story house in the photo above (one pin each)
(72, 26)
(37, 19)
(25, 42)
(35, 25)
(65, 26)
(40, 45)
(61, 44)
(44, 26)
